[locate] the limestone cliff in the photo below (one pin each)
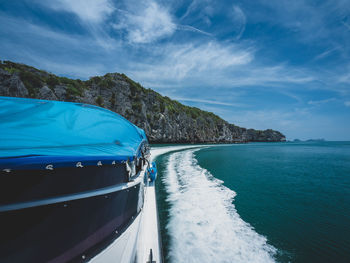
(163, 119)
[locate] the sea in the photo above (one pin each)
(255, 202)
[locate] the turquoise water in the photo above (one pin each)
(259, 202)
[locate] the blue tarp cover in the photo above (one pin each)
(35, 133)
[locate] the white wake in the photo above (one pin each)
(204, 225)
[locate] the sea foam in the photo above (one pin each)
(204, 225)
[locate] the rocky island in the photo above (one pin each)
(163, 119)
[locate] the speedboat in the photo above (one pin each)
(76, 185)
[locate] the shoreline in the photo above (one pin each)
(211, 143)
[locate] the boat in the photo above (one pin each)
(76, 185)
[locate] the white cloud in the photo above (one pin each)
(210, 56)
(310, 23)
(209, 16)
(214, 102)
(301, 123)
(319, 102)
(163, 65)
(193, 29)
(204, 7)
(290, 123)
(213, 64)
(325, 53)
(37, 36)
(151, 22)
(70, 55)
(194, 5)
(92, 14)
(178, 62)
(347, 103)
(291, 95)
(93, 11)
(239, 20)
(76, 70)
(256, 75)
(345, 78)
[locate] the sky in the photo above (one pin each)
(258, 64)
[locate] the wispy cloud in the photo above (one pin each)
(203, 7)
(319, 102)
(346, 25)
(347, 103)
(226, 65)
(265, 118)
(93, 15)
(239, 20)
(325, 53)
(92, 11)
(205, 14)
(272, 75)
(210, 63)
(66, 54)
(344, 78)
(149, 23)
(210, 102)
(182, 61)
(301, 123)
(193, 29)
(190, 8)
(310, 24)
(291, 95)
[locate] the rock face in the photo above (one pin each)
(11, 85)
(164, 120)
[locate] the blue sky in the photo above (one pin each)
(258, 64)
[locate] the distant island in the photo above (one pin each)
(316, 140)
(310, 140)
(163, 119)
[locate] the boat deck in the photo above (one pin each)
(149, 230)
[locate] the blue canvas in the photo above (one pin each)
(35, 133)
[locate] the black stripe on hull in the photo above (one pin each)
(26, 185)
(70, 231)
